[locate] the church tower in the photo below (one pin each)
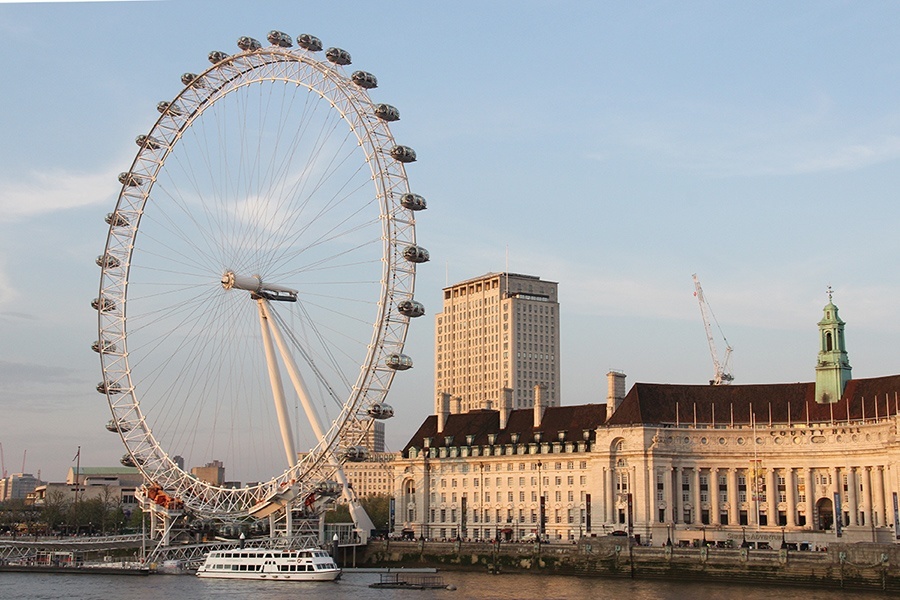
(833, 366)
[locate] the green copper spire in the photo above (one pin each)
(833, 366)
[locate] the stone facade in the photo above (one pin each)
(757, 465)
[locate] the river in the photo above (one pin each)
(354, 586)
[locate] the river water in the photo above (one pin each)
(354, 586)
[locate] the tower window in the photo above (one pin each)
(828, 342)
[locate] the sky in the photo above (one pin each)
(616, 148)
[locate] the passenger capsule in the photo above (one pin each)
(386, 112)
(146, 141)
(130, 179)
(403, 154)
(217, 56)
(105, 387)
(278, 38)
(338, 56)
(98, 347)
(128, 461)
(122, 425)
(364, 79)
(398, 362)
(169, 107)
(248, 44)
(416, 254)
(192, 79)
(103, 304)
(329, 488)
(309, 42)
(356, 453)
(413, 202)
(116, 220)
(107, 261)
(381, 411)
(410, 308)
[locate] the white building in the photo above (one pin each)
(498, 334)
(799, 463)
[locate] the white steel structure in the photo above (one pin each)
(722, 369)
(265, 225)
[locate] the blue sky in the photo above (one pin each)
(616, 148)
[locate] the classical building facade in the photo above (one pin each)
(798, 463)
(497, 335)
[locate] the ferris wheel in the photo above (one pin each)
(265, 227)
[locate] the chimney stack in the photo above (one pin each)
(457, 405)
(443, 412)
(539, 404)
(505, 407)
(615, 384)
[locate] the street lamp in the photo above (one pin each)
(668, 535)
(783, 541)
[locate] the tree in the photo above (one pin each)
(55, 511)
(378, 508)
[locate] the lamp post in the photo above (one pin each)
(783, 541)
(668, 535)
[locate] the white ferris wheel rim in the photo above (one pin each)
(122, 385)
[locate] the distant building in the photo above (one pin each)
(110, 484)
(17, 486)
(496, 339)
(365, 432)
(212, 472)
(374, 476)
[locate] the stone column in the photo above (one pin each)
(836, 488)
(679, 503)
(696, 496)
(810, 489)
(734, 513)
(868, 509)
(880, 515)
(772, 497)
(611, 496)
(852, 500)
(791, 497)
(667, 493)
(714, 496)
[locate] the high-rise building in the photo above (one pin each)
(496, 340)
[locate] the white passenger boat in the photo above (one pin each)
(309, 564)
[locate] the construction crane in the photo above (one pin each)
(722, 375)
(2, 461)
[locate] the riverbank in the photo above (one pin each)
(862, 566)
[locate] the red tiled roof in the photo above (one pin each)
(574, 420)
(656, 404)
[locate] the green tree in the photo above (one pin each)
(378, 508)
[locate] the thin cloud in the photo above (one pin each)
(52, 191)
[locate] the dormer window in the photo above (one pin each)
(561, 435)
(469, 440)
(514, 437)
(492, 437)
(537, 436)
(426, 443)
(586, 434)
(448, 440)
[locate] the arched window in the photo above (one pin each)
(828, 342)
